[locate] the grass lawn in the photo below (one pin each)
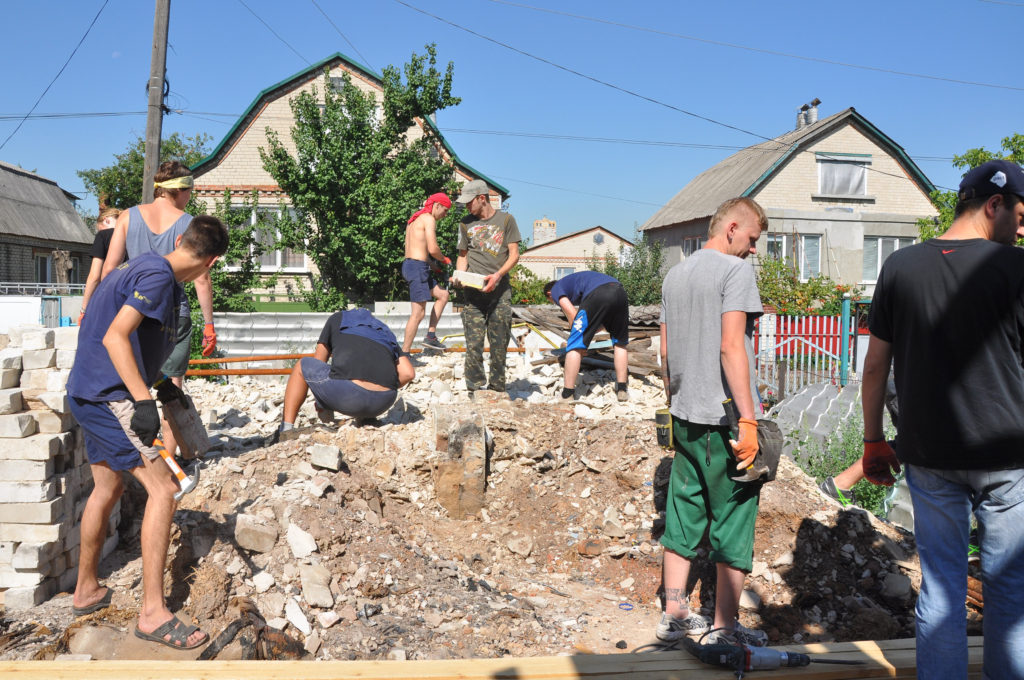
(282, 307)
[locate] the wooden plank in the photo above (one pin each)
(892, 659)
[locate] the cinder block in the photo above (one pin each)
(35, 379)
(66, 358)
(34, 447)
(17, 426)
(28, 492)
(42, 339)
(33, 359)
(55, 401)
(33, 533)
(65, 337)
(7, 551)
(11, 578)
(10, 377)
(49, 422)
(10, 358)
(26, 598)
(35, 555)
(16, 333)
(57, 380)
(43, 512)
(325, 456)
(11, 401)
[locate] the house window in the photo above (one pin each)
(810, 256)
(877, 249)
(42, 268)
(843, 175)
(777, 246)
(692, 244)
(285, 259)
(561, 272)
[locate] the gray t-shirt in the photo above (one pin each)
(695, 294)
(486, 241)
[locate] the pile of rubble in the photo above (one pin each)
(360, 542)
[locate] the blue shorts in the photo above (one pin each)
(417, 273)
(343, 396)
(108, 437)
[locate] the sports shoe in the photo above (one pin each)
(846, 497)
(671, 629)
(739, 635)
(974, 547)
(432, 342)
(622, 395)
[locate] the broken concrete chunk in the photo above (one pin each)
(316, 586)
(17, 426)
(11, 401)
(255, 533)
(293, 612)
(10, 358)
(41, 339)
(38, 358)
(325, 456)
(263, 581)
(300, 541)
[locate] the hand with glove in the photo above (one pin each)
(879, 462)
(80, 317)
(167, 391)
(447, 260)
(146, 421)
(746, 448)
(209, 339)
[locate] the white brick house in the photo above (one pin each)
(235, 164)
(840, 197)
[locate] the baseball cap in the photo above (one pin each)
(993, 177)
(471, 190)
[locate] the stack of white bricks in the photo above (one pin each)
(44, 475)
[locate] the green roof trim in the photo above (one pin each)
(303, 74)
(770, 171)
(829, 154)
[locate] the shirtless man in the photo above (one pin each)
(421, 241)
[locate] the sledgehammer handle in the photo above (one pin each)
(171, 463)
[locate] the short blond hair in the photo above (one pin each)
(723, 211)
(108, 212)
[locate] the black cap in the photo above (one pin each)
(993, 177)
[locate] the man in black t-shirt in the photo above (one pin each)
(362, 379)
(948, 314)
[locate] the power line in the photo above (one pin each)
(73, 52)
(343, 36)
(576, 191)
(258, 18)
(1003, 2)
(52, 116)
(719, 43)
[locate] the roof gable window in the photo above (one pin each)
(843, 176)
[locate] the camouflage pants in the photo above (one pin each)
(487, 315)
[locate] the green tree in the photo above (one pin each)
(119, 185)
(527, 288)
(781, 287)
(945, 201)
(638, 269)
(356, 177)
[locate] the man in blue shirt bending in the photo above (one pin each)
(593, 301)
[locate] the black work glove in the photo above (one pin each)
(167, 391)
(146, 421)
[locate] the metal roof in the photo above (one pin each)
(744, 172)
(36, 207)
(313, 71)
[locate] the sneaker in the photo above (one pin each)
(432, 342)
(622, 395)
(974, 547)
(671, 629)
(846, 497)
(740, 635)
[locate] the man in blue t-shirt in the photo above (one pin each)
(601, 303)
(123, 341)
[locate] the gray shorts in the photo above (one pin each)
(177, 364)
(343, 396)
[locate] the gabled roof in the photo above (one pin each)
(276, 90)
(36, 207)
(536, 247)
(746, 171)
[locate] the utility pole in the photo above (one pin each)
(155, 112)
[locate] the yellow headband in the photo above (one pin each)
(175, 183)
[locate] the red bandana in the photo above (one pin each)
(434, 198)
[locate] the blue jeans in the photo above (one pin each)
(943, 501)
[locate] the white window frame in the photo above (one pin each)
(806, 270)
(877, 245)
(847, 161)
(783, 249)
(278, 254)
(41, 259)
(809, 270)
(692, 244)
(562, 272)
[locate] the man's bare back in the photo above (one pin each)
(421, 239)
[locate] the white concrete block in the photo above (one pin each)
(26, 470)
(17, 426)
(26, 598)
(33, 533)
(35, 555)
(10, 401)
(28, 492)
(35, 379)
(17, 333)
(11, 578)
(34, 447)
(43, 512)
(66, 358)
(57, 380)
(10, 377)
(50, 422)
(65, 337)
(7, 551)
(55, 401)
(10, 358)
(33, 359)
(42, 339)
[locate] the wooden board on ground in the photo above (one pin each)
(884, 659)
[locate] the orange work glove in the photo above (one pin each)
(447, 260)
(80, 317)
(746, 448)
(209, 339)
(879, 462)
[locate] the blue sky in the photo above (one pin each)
(537, 126)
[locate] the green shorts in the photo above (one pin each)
(703, 496)
(177, 364)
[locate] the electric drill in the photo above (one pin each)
(741, 658)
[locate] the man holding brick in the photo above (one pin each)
(124, 339)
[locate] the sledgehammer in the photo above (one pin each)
(187, 483)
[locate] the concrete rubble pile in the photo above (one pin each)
(44, 476)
